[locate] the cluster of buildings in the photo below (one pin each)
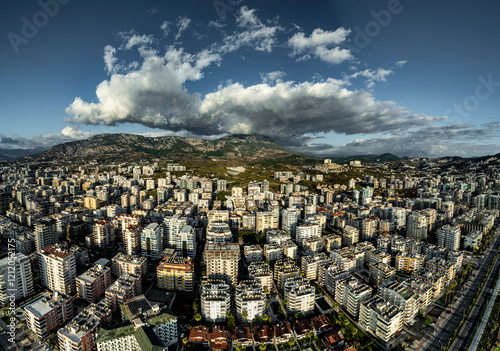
(381, 257)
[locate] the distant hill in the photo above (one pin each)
(387, 157)
(10, 154)
(131, 147)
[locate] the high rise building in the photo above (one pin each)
(132, 239)
(350, 293)
(449, 237)
(92, 284)
(16, 278)
(250, 299)
(215, 300)
(290, 217)
(219, 232)
(222, 261)
(265, 221)
(152, 241)
(173, 226)
(350, 235)
(79, 334)
(45, 233)
(47, 313)
(133, 264)
(417, 226)
(125, 287)
(175, 273)
(104, 233)
(380, 317)
(299, 295)
(57, 269)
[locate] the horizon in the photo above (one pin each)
(335, 78)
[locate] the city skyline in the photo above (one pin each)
(335, 78)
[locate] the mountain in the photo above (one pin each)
(130, 147)
(384, 158)
(10, 154)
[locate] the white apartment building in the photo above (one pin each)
(22, 283)
(251, 299)
(215, 300)
(57, 269)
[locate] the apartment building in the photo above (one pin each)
(284, 269)
(380, 317)
(92, 284)
(261, 272)
(125, 287)
(299, 295)
(222, 261)
(48, 312)
(215, 300)
(175, 273)
(350, 293)
(57, 269)
(79, 334)
(16, 279)
(251, 299)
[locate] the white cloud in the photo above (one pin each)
(69, 133)
(400, 64)
(372, 76)
(109, 58)
(255, 34)
(322, 45)
(182, 24)
(165, 28)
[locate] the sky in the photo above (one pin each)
(326, 78)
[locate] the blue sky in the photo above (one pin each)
(414, 78)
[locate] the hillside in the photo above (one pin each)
(132, 147)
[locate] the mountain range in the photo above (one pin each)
(130, 147)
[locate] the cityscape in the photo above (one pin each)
(246, 176)
(396, 255)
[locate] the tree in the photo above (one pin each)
(296, 315)
(240, 347)
(421, 312)
(244, 314)
(310, 334)
(265, 317)
(263, 347)
(230, 320)
(196, 305)
(291, 342)
(197, 317)
(257, 318)
(428, 321)
(184, 342)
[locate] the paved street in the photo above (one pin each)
(438, 340)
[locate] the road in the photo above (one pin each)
(465, 337)
(485, 319)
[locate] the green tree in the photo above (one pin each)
(265, 317)
(230, 320)
(197, 317)
(184, 342)
(239, 347)
(421, 312)
(428, 320)
(310, 334)
(291, 342)
(263, 347)
(244, 314)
